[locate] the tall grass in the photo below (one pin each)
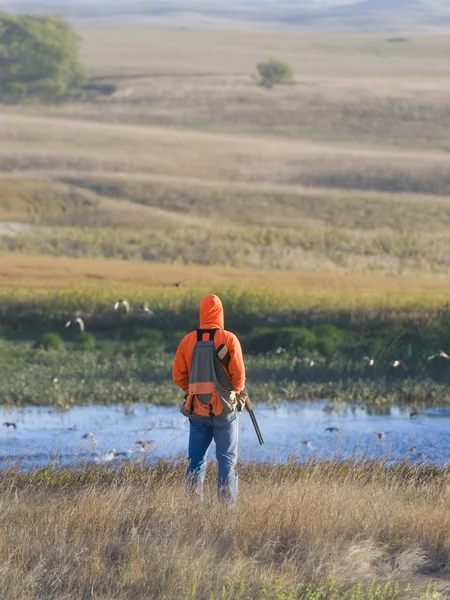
(59, 284)
(321, 531)
(327, 250)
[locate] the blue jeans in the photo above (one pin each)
(224, 431)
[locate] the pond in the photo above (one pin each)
(298, 429)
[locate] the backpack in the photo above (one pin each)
(210, 391)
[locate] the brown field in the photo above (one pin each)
(345, 170)
(47, 274)
(134, 534)
(347, 87)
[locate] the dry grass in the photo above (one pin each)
(276, 227)
(347, 88)
(31, 201)
(271, 205)
(42, 275)
(351, 176)
(134, 534)
(188, 51)
(37, 144)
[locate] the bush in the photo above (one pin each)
(50, 341)
(297, 338)
(265, 339)
(150, 340)
(274, 72)
(38, 57)
(330, 338)
(86, 341)
(260, 339)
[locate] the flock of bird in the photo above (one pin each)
(121, 305)
(367, 360)
(381, 435)
(143, 446)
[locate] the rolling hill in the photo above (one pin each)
(361, 15)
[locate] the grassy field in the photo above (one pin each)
(333, 320)
(323, 203)
(346, 88)
(319, 212)
(355, 531)
(344, 170)
(92, 283)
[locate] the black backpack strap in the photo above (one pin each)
(200, 332)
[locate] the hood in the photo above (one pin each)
(211, 312)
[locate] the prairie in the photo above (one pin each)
(354, 530)
(347, 87)
(95, 282)
(344, 170)
(319, 202)
(332, 320)
(319, 212)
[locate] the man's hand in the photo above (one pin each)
(240, 400)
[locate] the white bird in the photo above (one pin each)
(53, 379)
(145, 445)
(308, 444)
(124, 303)
(75, 321)
(440, 354)
(113, 454)
(143, 308)
(277, 351)
(90, 436)
(397, 363)
(369, 361)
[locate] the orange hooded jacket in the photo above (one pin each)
(211, 317)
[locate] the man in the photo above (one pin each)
(214, 394)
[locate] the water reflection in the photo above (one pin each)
(100, 434)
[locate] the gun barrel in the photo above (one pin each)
(248, 406)
(255, 425)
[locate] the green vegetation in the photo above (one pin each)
(352, 530)
(38, 58)
(291, 353)
(50, 341)
(274, 72)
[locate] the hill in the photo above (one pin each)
(356, 15)
(344, 170)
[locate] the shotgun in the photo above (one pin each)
(223, 355)
(248, 406)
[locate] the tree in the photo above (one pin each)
(38, 57)
(273, 72)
